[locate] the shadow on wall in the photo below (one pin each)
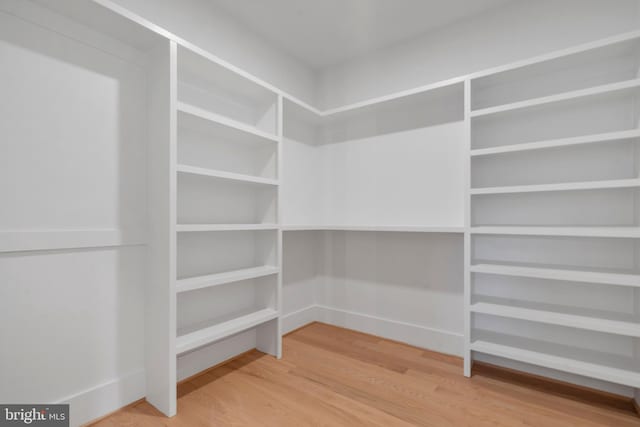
(422, 110)
(81, 167)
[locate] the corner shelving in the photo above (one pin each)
(209, 119)
(552, 210)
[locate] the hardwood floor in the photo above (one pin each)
(335, 377)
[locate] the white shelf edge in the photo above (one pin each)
(194, 170)
(211, 334)
(598, 324)
(391, 228)
(392, 97)
(185, 228)
(555, 143)
(617, 232)
(128, 14)
(211, 280)
(565, 96)
(569, 186)
(225, 121)
(556, 54)
(578, 367)
(618, 279)
(59, 239)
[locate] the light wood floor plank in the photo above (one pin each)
(335, 377)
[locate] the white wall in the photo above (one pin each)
(402, 286)
(73, 165)
(201, 23)
(509, 33)
(303, 261)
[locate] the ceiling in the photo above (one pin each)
(321, 33)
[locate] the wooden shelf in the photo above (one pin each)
(606, 367)
(210, 334)
(193, 170)
(561, 142)
(572, 275)
(210, 280)
(225, 121)
(184, 228)
(566, 96)
(393, 228)
(569, 186)
(616, 232)
(591, 320)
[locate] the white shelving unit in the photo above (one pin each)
(217, 172)
(212, 93)
(554, 172)
(215, 177)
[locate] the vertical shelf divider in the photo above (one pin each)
(160, 309)
(468, 360)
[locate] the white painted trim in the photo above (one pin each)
(104, 398)
(392, 228)
(557, 98)
(108, 4)
(40, 240)
(299, 318)
(420, 336)
(225, 121)
(231, 176)
(190, 228)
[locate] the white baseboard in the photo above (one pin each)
(113, 395)
(420, 336)
(105, 398)
(299, 318)
(417, 335)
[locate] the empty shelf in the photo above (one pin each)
(201, 337)
(199, 282)
(617, 232)
(561, 142)
(569, 186)
(182, 228)
(225, 121)
(592, 320)
(559, 357)
(559, 274)
(566, 96)
(396, 228)
(193, 170)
